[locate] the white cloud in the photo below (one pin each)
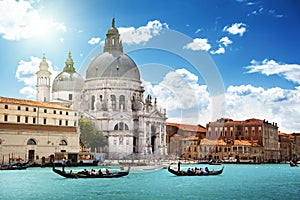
(237, 28)
(290, 72)
(26, 73)
(131, 35)
(19, 20)
(198, 44)
(221, 50)
(225, 41)
(94, 40)
(182, 96)
(275, 104)
(188, 102)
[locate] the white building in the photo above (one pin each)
(33, 131)
(112, 96)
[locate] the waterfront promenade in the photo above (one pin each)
(263, 181)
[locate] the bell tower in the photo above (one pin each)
(43, 82)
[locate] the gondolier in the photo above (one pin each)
(179, 163)
(63, 163)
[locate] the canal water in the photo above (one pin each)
(262, 181)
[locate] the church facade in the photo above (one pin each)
(112, 96)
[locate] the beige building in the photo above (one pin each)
(33, 131)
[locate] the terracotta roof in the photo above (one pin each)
(32, 103)
(212, 142)
(228, 121)
(283, 134)
(191, 138)
(188, 127)
(223, 143)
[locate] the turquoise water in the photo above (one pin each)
(277, 181)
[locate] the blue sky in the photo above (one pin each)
(202, 59)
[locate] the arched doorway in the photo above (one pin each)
(31, 151)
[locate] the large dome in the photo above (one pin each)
(67, 82)
(113, 64)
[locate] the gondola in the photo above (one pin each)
(293, 164)
(81, 175)
(14, 166)
(214, 162)
(183, 173)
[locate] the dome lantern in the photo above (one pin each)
(69, 67)
(112, 41)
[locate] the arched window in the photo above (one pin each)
(122, 102)
(31, 142)
(93, 103)
(116, 127)
(113, 102)
(63, 143)
(121, 126)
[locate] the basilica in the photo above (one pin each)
(112, 96)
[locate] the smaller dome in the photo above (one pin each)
(68, 82)
(69, 79)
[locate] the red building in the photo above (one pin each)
(253, 140)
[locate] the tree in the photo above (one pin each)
(89, 136)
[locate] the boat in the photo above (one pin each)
(215, 162)
(293, 164)
(14, 166)
(88, 175)
(183, 173)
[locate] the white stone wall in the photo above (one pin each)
(14, 143)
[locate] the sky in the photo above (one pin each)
(201, 59)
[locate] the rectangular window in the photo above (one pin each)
(67, 113)
(27, 109)
(33, 120)
(70, 97)
(66, 122)
(26, 119)
(18, 118)
(5, 118)
(45, 110)
(60, 112)
(6, 106)
(54, 111)
(60, 122)
(19, 107)
(45, 121)
(34, 109)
